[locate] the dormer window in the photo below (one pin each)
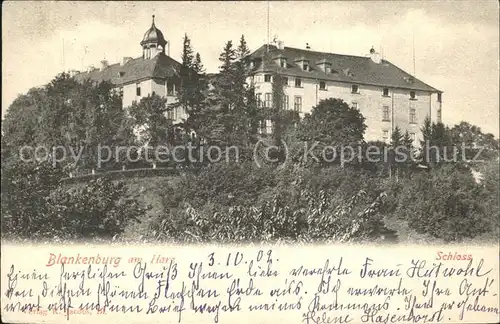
(280, 60)
(413, 95)
(302, 62)
(325, 65)
(121, 74)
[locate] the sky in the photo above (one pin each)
(456, 43)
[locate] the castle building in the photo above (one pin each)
(386, 95)
(155, 72)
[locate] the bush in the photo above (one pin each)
(444, 203)
(272, 222)
(101, 208)
(24, 189)
(222, 183)
(490, 174)
(36, 205)
(300, 207)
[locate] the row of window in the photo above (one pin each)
(266, 127)
(285, 105)
(354, 87)
(170, 89)
(412, 118)
(297, 106)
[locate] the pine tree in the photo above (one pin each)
(437, 144)
(187, 56)
(226, 96)
(396, 140)
(197, 65)
(407, 143)
(243, 51)
(226, 82)
(426, 141)
(235, 100)
(187, 82)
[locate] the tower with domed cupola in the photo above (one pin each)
(153, 43)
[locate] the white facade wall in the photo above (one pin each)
(369, 99)
(147, 87)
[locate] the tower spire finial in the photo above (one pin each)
(153, 19)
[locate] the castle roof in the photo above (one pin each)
(344, 68)
(161, 67)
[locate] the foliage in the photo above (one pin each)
(490, 198)
(472, 135)
(231, 114)
(437, 145)
(444, 202)
(332, 123)
(70, 115)
(298, 207)
(36, 205)
(401, 154)
(101, 208)
(25, 187)
(273, 221)
(191, 95)
(216, 183)
(150, 120)
(473, 143)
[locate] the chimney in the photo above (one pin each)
(104, 64)
(281, 45)
(126, 59)
(376, 57)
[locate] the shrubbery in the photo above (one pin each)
(25, 187)
(36, 205)
(99, 209)
(296, 207)
(445, 203)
